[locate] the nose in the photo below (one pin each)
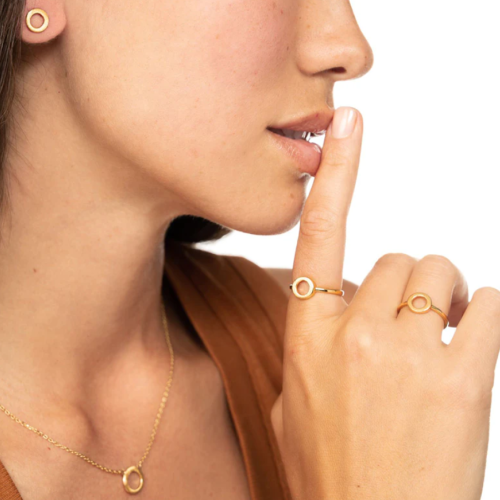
(331, 42)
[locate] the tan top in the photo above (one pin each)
(238, 310)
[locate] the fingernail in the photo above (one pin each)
(344, 120)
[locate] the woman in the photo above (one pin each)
(126, 128)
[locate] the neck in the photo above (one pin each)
(81, 260)
(78, 292)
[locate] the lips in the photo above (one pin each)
(293, 137)
(315, 123)
(305, 155)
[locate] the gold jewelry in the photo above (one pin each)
(312, 289)
(134, 468)
(422, 310)
(45, 16)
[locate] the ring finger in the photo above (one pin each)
(443, 282)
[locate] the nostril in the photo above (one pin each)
(339, 69)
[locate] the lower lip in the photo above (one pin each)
(305, 154)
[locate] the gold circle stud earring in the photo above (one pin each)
(45, 16)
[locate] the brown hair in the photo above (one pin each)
(186, 228)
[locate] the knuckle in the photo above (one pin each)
(437, 265)
(358, 337)
(396, 260)
(486, 303)
(488, 297)
(356, 346)
(322, 221)
(466, 389)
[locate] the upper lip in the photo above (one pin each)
(316, 122)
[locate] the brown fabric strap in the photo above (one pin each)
(242, 333)
(8, 490)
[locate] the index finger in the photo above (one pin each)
(321, 243)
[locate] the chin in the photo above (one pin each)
(276, 216)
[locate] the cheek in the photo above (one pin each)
(178, 83)
(248, 43)
(218, 70)
(234, 58)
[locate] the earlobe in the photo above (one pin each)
(43, 21)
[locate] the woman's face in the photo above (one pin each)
(185, 91)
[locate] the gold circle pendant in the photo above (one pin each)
(126, 475)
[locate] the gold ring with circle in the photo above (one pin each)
(424, 309)
(312, 289)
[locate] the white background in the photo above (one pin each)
(428, 181)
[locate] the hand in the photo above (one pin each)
(374, 404)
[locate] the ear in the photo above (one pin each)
(56, 17)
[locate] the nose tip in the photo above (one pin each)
(364, 61)
(338, 48)
(357, 59)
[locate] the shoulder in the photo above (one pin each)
(283, 276)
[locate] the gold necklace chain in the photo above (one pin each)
(134, 468)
